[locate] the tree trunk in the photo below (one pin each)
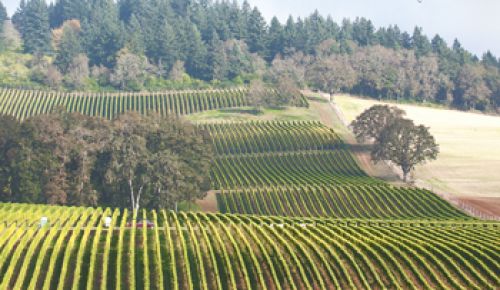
(406, 171)
(131, 193)
(137, 202)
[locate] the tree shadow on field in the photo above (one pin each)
(249, 111)
(317, 99)
(359, 148)
(380, 169)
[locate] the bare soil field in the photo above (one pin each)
(209, 203)
(487, 207)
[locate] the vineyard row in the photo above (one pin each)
(217, 251)
(22, 104)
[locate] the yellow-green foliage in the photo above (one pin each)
(14, 70)
(219, 251)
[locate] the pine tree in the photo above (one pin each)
(127, 8)
(489, 59)
(183, 35)
(135, 37)
(289, 35)
(332, 28)
(346, 32)
(256, 32)
(3, 17)
(421, 43)
(300, 36)
(363, 32)
(103, 34)
(236, 21)
(32, 21)
(196, 65)
(315, 31)
(3, 13)
(216, 59)
(18, 17)
(275, 40)
(164, 51)
(180, 7)
(68, 49)
(63, 10)
(439, 45)
(406, 40)
(246, 11)
(390, 37)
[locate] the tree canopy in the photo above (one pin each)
(394, 138)
(369, 125)
(133, 161)
(225, 42)
(406, 145)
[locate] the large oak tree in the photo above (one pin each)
(406, 145)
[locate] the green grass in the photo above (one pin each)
(251, 113)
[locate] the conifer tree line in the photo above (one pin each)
(126, 42)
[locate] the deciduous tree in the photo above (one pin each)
(406, 145)
(66, 42)
(130, 71)
(369, 125)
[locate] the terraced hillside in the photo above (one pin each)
(304, 169)
(23, 103)
(215, 251)
(339, 201)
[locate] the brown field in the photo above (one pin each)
(468, 167)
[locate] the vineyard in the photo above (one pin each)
(295, 168)
(346, 201)
(296, 212)
(214, 251)
(304, 169)
(266, 137)
(22, 104)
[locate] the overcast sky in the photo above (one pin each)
(476, 23)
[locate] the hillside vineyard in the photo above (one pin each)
(23, 104)
(296, 212)
(302, 168)
(222, 251)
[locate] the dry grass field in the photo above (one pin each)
(468, 167)
(469, 162)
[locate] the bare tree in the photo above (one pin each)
(257, 93)
(177, 72)
(130, 70)
(78, 71)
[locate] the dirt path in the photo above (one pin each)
(209, 203)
